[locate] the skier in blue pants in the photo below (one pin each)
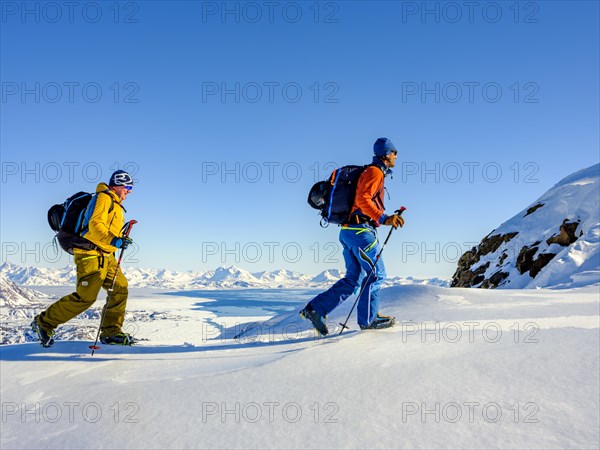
(360, 248)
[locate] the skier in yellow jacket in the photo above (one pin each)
(103, 224)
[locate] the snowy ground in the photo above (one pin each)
(464, 369)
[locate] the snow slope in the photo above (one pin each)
(17, 306)
(15, 296)
(554, 242)
(464, 369)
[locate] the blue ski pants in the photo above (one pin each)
(360, 248)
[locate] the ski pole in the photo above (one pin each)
(126, 230)
(373, 265)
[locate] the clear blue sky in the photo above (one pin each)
(227, 117)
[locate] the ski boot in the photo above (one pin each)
(46, 337)
(317, 319)
(380, 323)
(118, 339)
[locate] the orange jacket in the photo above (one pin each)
(369, 195)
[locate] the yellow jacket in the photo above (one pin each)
(103, 226)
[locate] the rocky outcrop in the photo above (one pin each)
(528, 262)
(495, 280)
(552, 242)
(526, 257)
(529, 259)
(566, 234)
(533, 209)
(466, 275)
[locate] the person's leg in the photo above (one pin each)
(327, 301)
(368, 303)
(366, 247)
(90, 276)
(115, 313)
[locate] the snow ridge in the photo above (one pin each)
(221, 278)
(553, 243)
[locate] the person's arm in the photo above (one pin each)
(98, 225)
(369, 184)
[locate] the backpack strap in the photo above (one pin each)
(112, 200)
(112, 204)
(357, 216)
(110, 209)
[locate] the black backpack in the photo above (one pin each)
(67, 220)
(335, 196)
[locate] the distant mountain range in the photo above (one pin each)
(221, 278)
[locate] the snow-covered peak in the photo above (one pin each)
(281, 276)
(38, 276)
(223, 277)
(232, 273)
(328, 276)
(554, 242)
(13, 296)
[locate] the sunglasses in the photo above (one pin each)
(128, 187)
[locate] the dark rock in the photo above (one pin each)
(482, 269)
(469, 278)
(527, 263)
(566, 235)
(468, 259)
(525, 259)
(492, 243)
(464, 276)
(478, 279)
(495, 280)
(542, 260)
(502, 258)
(533, 209)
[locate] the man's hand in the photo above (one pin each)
(394, 221)
(123, 242)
